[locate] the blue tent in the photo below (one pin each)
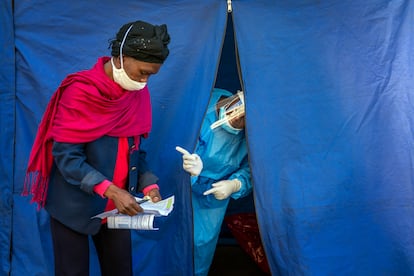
(330, 124)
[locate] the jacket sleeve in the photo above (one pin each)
(70, 159)
(242, 174)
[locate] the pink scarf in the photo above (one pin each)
(86, 106)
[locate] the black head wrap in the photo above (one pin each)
(144, 42)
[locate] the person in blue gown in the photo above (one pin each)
(219, 171)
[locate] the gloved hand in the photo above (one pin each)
(192, 163)
(223, 189)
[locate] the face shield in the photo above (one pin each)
(232, 109)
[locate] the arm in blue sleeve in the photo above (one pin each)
(70, 159)
(242, 174)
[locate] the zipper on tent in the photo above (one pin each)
(236, 52)
(241, 83)
(239, 71)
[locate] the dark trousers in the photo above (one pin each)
(71, 251)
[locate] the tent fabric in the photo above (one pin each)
(7, 118)
(329, 112)
(53, 40)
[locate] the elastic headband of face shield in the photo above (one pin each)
(235, 109)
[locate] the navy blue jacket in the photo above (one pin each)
(78, 168)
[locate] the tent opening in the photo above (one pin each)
(229, 248)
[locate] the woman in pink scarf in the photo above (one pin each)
(86, 156)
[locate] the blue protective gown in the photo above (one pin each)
(224, 157)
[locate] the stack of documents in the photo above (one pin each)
(141, 221)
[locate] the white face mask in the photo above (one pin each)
(120, 76)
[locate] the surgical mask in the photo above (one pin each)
(225, 122)
(120, 76)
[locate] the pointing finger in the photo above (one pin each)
(181, 150)
(209, 191)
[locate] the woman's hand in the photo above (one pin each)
(124, 201)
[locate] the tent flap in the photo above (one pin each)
(329, 116)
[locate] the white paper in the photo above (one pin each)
(160, 208)
(106, 214)
(140, 221)
(144, 220)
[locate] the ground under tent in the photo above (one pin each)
(329, 109)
